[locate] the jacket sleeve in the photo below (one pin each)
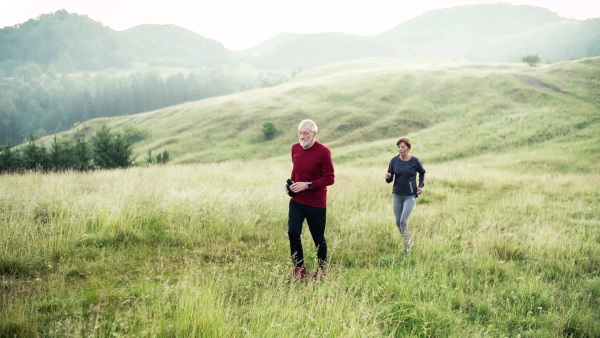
(421, 172)
(391, 171)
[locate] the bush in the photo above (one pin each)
(269, 130)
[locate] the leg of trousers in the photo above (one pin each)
(316, 219)
(403, 206)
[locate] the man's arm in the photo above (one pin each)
(328, 177)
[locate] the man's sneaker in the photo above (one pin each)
(319, 275)
(298, 274)
(408, 246)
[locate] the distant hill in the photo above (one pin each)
(496, 33)
(174, 46)
(72, 42)
(489, 32)
(493, 33)
(302, 51)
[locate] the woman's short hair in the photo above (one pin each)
(404, 140)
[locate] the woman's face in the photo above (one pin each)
(403, 149)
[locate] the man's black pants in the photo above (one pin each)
(316, 219)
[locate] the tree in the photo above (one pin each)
(110, 150)
(165, 156)
(60, 155)
(102, 148)
(32, 154)
(9, 120)
(28, 71)
(45, 163)
(149, 158)
(81, 156)
(121, 151)
(531, 59)
(269, 130)
(9, 160)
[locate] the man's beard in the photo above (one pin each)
(304, 143)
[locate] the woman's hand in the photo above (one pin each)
(387, 175)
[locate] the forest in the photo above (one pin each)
(61, 69)
(47, 103)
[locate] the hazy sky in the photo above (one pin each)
(240, 24)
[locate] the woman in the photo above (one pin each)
(403, 171)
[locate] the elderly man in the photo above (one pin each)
(312, 172)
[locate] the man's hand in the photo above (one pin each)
(299, 186)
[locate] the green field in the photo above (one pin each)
(507, 233)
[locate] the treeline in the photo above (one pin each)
(105, 150)
(47, 103)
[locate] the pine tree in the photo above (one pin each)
(110, 150)
(165, 156)
(80, 153)
(31, 154)
(8, 159)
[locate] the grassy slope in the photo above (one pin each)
(506, 233)
(454, 111)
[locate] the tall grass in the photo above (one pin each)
(202, 250)
(506, 234)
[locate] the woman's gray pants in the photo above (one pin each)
(403, 206)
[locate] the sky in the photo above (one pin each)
(241, 24)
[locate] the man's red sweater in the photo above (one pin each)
(312, 165)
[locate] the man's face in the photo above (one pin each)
(305, 137)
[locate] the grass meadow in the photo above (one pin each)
(202, 250)
(507, 239)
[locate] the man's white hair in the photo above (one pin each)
(311, 124)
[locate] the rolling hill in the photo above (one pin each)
(478, 33)
(455, 111)
(71, 42)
